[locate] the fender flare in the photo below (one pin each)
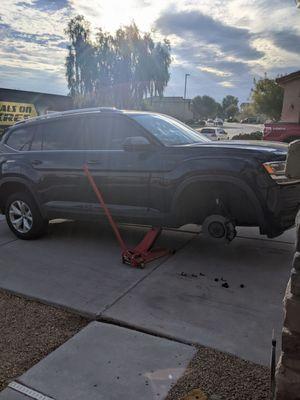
(26, 183)
(240, 184)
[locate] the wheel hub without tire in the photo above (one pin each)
(219, 228)
(216, 230)
(20, 216)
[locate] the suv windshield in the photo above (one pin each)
(169, 131)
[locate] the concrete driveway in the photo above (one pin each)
(185, 297)
(105, 362)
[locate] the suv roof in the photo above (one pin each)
(79, 111)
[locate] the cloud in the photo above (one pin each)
(230, 40)
(226, 84)
(32, 47)
(45, 5)
(222, 44)
(287, 40)
(215, 71)
(30, 79)
(45, 39)
(217, 56)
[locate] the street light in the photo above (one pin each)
(185, 82)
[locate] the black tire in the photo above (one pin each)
(37, 224)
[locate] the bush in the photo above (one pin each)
(258, 135)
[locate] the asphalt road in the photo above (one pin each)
(236, 128)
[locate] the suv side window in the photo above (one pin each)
(61, 134)
(20, 139)
(37, 141)
(108, 132)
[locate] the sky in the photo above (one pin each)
(222, 44)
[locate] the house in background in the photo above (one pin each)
(16, 105)
(291, 101)
(288, 129)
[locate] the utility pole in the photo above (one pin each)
(297, 3)
(185, 82)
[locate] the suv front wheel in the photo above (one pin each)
(23, 216)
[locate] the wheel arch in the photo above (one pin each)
(290, 139)
(14, 185)
(205, 181)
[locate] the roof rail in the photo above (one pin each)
(57, 114)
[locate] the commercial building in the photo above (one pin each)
(291, 101)
(16, 105)
(176, 107)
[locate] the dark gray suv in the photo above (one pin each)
(151, 169)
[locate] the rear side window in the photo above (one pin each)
(62, 134)
(108, 132)
(20, 139)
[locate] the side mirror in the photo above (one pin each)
(136, 143)
(293, 161)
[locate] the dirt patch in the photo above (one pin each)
(29, 331)
(222, 376)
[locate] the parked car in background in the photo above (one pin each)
(218, 122)
(214, 133)
(210, 122)
(233, 119)
(201, 122)
(282, 132)
(150, 168)
(250, 120)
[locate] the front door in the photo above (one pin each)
(122, 176)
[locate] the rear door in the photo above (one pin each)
(122, 176)
(57, 154)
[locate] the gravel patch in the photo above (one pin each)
(222, 376)
(29, 331)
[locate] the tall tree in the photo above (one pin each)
(119, 69)
(80, 62)
(267, 97)
(230, 106)
(247, 110)
(204, 107)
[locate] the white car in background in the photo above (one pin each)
(214, 133)
(218, 122)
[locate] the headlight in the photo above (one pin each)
(276, 170)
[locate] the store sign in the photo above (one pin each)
(11, 112)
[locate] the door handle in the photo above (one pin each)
(95, 162)
(36, 162)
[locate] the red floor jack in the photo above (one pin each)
(143, 252)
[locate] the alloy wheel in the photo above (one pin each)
(20, 216)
